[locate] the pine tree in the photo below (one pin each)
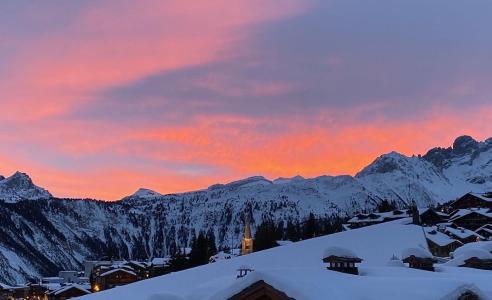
(310, 228)
(211, 247)
(266, 236)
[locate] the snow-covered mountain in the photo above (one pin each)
(49, 233)
(19, 186)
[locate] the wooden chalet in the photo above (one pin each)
(463, 235)
(472, 200)
(113, 278)
(260, 290)
(422, 263)
(341, 260)
(160, 266)
(418, 258)
(67, 292)
(430, 217)
(477, 263)
(485, 231)
(142, 269)
(471, 218)
(439, 243)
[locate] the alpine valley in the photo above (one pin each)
(41, 234)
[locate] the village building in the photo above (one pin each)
(247, 242)
(113, 278)
(478, 263)
(363, 220)
(160, 266)
(67, 292)
(439, 243)
(463, 235)
(472, 218)
(341, 260)
(485, 231)
(473, 200)
(430, 217)
(142, 269)
(418, 258)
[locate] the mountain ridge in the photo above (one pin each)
(51, 234)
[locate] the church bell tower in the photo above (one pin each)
(247, 242)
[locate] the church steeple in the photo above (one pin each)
(247, 242)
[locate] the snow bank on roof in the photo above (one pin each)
(340, 252)
(463, 255)
(486, 245)
(462, 233)
(417, 252)
(118, 270)
(68, 287)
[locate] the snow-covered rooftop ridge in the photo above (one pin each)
(68, 287)
(482, 245)
(118, 270)
(417, 252)
(339, 251)
(19, 186)
(461, 256)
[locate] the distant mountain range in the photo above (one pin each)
(44, 234)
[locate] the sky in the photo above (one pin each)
(100, 98)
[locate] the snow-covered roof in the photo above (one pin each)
(340, 252)
(460, 213)
(297, 270)
(417, 252)
(5, 287)
(462, 233)
(482, 197)
(461, 256)
(483, 245)
(69, 287)
(118, 270)
(160, 261)
(438, 238)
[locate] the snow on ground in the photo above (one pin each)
(298, 270)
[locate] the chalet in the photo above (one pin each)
(478, 263)
(472, 219)
(439, 243)
(463, 235)
(142, 269)
(160, 266)
(430, 217)
(113, 278)
(418, 258)
(341, 260)
(362, 220)
(473, 200)
(485, 231)
(67, 292)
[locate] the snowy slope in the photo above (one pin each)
(55, 233)
(298, 270)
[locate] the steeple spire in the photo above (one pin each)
(247, 242)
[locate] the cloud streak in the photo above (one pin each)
(178, 95)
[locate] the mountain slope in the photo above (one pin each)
(48, 234)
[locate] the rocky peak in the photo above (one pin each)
(19, 186)
(464, 144)
(386, 163)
